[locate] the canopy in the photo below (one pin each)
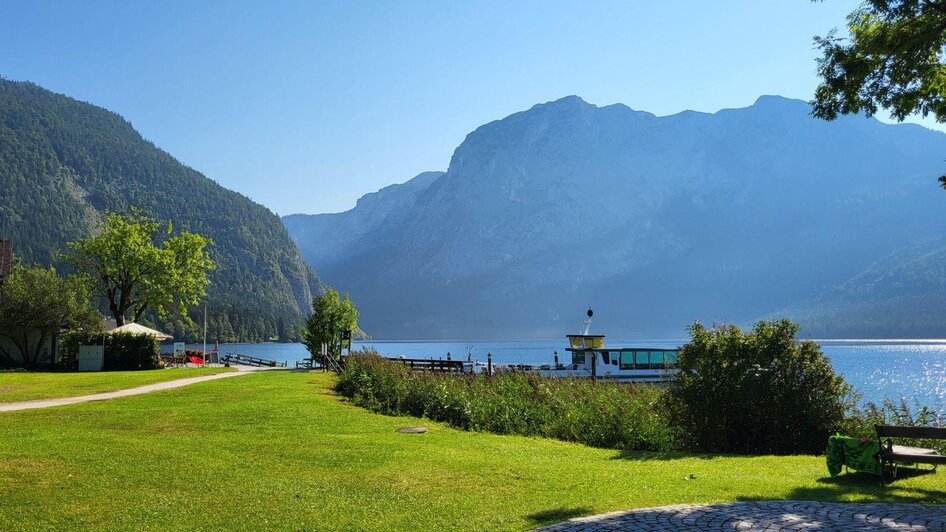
(134, 328)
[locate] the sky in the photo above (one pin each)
(305, 106)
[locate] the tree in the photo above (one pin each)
(892, 60)
(330, 316)
(755, 392)
(35, 305)
(137, 265)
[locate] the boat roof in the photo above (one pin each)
(635, 348)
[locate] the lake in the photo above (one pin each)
(910, 369)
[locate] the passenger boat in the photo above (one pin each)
(591, 358)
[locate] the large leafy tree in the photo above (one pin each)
(892, 59)
(138, 265)
(35, 305)
(331, 314)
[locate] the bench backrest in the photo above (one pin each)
(919, 433)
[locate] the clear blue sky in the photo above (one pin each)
(305, 106)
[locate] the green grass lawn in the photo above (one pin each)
(25, 386)
(278, 450)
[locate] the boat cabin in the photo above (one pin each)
(590, 357)
(629, 357)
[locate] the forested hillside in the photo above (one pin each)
(901, 295)
(64, 162)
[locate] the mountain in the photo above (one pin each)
(653, 221)
(900, 295)
(64, 162)
(327, 237)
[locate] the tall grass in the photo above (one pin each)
(609, 415)
(861, 422)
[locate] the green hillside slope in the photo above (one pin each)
(64, 162)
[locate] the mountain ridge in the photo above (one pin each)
(568, 204)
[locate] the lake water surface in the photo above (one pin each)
(910, 369)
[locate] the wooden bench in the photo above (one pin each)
(891, 454)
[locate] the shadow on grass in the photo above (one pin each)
(646, 456)
(556, 515)
(864, 484)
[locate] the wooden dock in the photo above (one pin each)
(246, 360)
(434, 366)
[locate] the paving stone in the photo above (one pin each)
(769, 516)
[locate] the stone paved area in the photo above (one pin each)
(768, 516)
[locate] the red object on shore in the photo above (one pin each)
(196, 360)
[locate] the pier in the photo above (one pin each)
(435, 366)
(246, 360)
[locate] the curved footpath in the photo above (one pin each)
(167, 385)
(768, 516)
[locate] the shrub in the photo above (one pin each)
(603, 415)
(760, 392)
(123, 351)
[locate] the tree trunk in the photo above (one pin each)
(123, 304)
(140, 311)
(113, 308)
(29, 359)
(34, 356)
(19, 348)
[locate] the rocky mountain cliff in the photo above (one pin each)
(654, 221)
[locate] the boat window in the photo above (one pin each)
(656, 360)
(627, 360)
(670, 359)
(578, 357)
(606, 357)
(641, 359)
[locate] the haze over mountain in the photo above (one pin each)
(64, 162)
(653, 221)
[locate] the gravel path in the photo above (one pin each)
(168, 385)
(768, 516)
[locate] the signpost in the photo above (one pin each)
(203, 354)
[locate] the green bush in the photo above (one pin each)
(760, 392)
(607, 415)
(123, 351)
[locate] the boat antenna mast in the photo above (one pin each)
(587, 329)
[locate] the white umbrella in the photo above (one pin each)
(135, 328)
